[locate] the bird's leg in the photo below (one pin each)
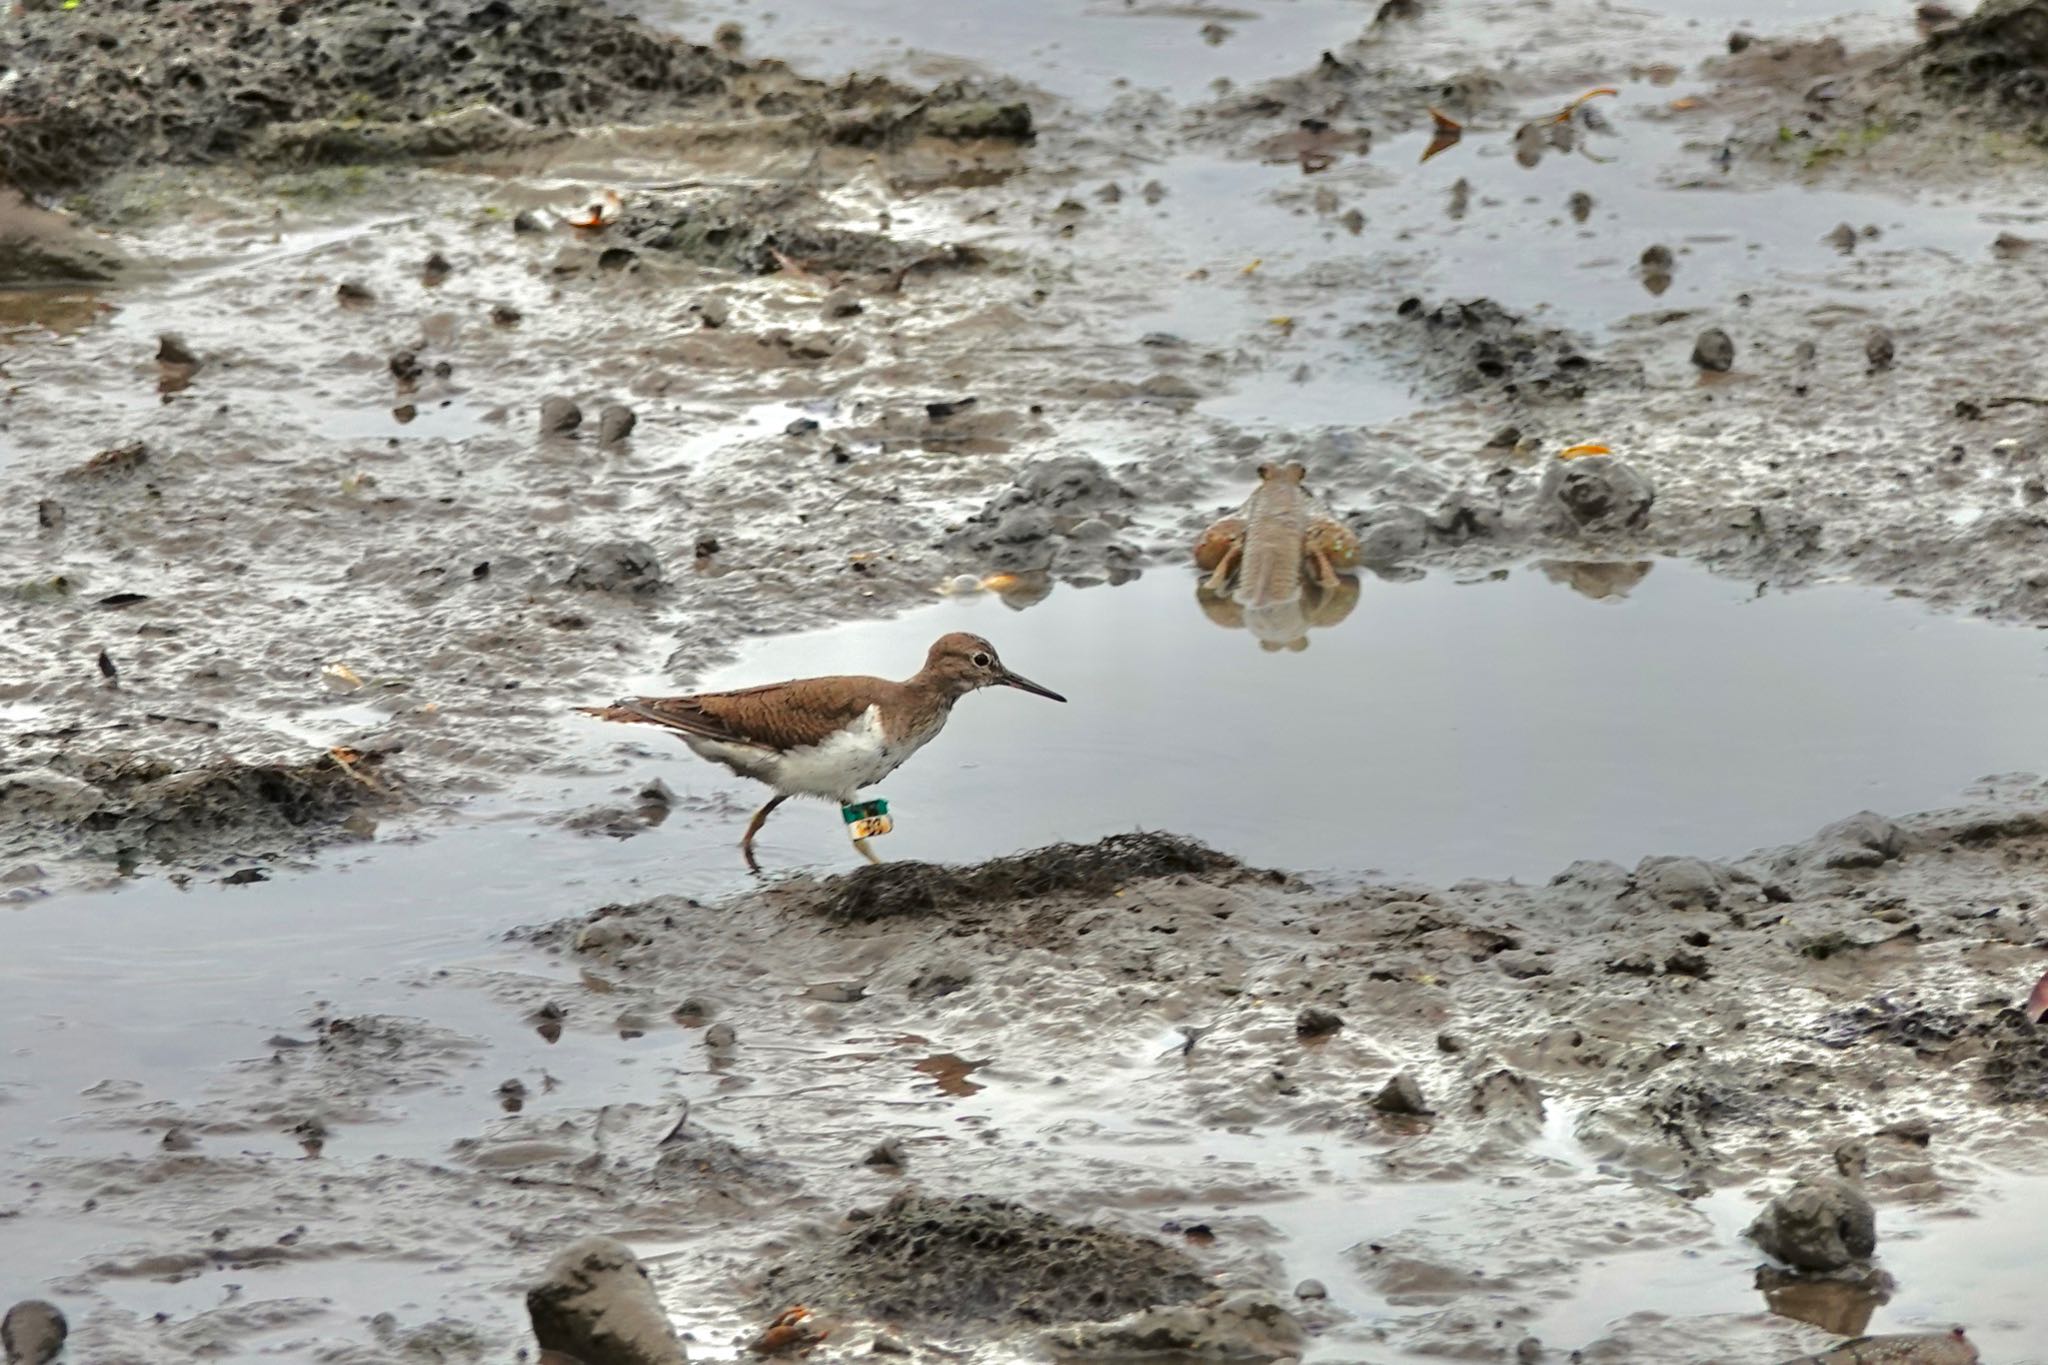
(1221, 578)
(865, 851)
(754, 827)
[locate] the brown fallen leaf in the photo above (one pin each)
(787, 1335)
(1448, 131)
(606, 210)
(1564, 114)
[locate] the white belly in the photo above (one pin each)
(856, 757)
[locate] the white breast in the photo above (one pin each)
(855, 757)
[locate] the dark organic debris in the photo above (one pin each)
(972, 1259)
(892, 889)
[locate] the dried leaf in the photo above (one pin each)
(787, 1335)
(606, 210)
(1564, 114)
(1448, 131)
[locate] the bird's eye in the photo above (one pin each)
(982, 660)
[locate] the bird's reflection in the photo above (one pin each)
(1843, 1306)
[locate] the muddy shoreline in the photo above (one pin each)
(340, 462)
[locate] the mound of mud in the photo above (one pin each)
(760, 231)
(951, 1262)
(120, 83)
(1465, 347)
(111, 806)
(891, 890)
(1998, 57)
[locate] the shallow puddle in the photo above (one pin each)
(1438, 730)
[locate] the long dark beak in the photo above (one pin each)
(1009, 679)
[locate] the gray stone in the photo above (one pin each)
(615, 423)
(1596, 493)
(597, 1305)
(1714, 351)
(1824, 1223)
(1401, 1095)
(33, 1332)
(559, 416)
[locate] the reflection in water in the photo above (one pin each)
(1840, 1306)
(1283, 625)
(950, 1073)
(1273, 564)
(61, 311)
(1597, 579)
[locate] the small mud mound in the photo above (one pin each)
(1902, 1023)
(117, 805)
(1479, 345)
(1996, 59)
(951, 1262)
(120, 82)
(762, 231)
(897, 889)
(2016, 1068)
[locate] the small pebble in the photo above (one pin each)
(559, 416)
(720, 1037)
(615, 423)
(1879, 348)
(1842, 239)
(505, 315)
(435, 270)
(352, 294)
(1315, 1023)
(1714, 351)
(33, 1332)
(526, 221)
(1657, 257)
(172, 350)
(1401, 1095)
(1580, 206)
(1311, 1289)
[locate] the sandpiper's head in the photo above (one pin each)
(961, 663)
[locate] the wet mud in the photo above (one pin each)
(399, 378)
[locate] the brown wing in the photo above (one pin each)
(787, 715)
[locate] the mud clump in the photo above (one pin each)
(627, 567)
(1599, 493)
(1996, 60)
(976, 1260)
(1061, 516)
(1466, 347)
(892, 890)
(123, 83)
(42, 248)
(110, 806)
(1252, 1325)
(1824, 1223)
(2016, 1068)
(760, 231)
(119, 83)
(597, 1306)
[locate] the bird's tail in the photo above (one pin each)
(625, 709)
